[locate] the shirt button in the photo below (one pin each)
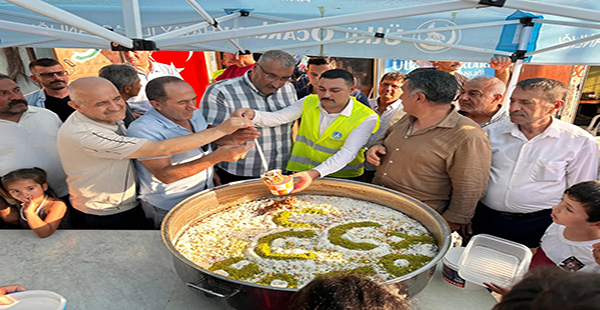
(391, 162)
(405, 137)
(385, 173)
(397, 149)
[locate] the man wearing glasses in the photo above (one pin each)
(264, 88)
(53, 78)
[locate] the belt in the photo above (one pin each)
(520, 216)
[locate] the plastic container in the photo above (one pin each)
(491, 259)
(36, 300)
(450, 271)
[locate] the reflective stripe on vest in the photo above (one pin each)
(312, 149)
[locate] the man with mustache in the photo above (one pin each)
(334, 130)
(481, 100)
(53, 78)
(535, 158)
(265, 88)
(28, 139)
(316, 66)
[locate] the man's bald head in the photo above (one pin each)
(98, 99)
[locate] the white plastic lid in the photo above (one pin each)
(491, 259)
(36, 300)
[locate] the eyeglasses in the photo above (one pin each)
(51, 74)
(273, 77)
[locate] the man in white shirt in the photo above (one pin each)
(481, 100)
(535, 158)
(28, 139)
(389, 107)
(96, 154)
(166, 181)
(334, 130)
(147, 70)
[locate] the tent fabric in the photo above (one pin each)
(409, 29)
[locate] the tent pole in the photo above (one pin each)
(188, 29)
(565, 23)
(320, 23)
(526, 34)
(563, 45)
(455, 46)
(457, 27)
(213, 22)
(132, 19)
(54, 33)
(63, 16)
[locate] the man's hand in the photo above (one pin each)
(500, 63)
(234, 123)
(374, 152)
(232, 152)
(247, 113)
(497, 288)
(244, 135)
(596, 252)
(464, 230)
(8, 289)
(306, 178)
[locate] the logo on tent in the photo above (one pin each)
(445, 36)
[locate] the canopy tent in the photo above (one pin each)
(560, 32)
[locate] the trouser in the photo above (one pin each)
(154, 214)
(130, 219)
(524, 228)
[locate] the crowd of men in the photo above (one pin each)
(131, 143)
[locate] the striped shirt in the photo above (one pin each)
(224, 97)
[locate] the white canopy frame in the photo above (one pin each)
(99, 36)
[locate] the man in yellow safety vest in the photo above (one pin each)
(334, 130)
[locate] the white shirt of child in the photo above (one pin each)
(567, 254)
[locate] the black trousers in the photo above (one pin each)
(130, 219)
(527, 231)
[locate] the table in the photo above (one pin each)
(130, 270)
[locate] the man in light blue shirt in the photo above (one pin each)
(166, 181)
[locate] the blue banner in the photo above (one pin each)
(468, 69)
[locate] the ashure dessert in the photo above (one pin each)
(272, 177)
(287, 242)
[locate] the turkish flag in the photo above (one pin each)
(191, 66)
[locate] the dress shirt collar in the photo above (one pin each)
(169, 124)
(81, 117)
(393, 106)
(347, 111)
(449, 121)
(552, 131)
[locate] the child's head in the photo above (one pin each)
(580, 205)
(346, 292)
(25, 184)
(551, 288)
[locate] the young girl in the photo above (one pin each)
(40, 210)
